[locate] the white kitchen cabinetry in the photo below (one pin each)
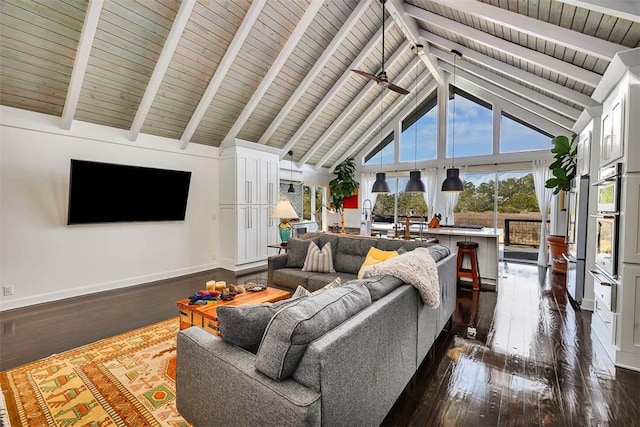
(249, 190)
(612, 144)
(617, 327)
(584, 153)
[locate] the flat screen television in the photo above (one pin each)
(106, 192)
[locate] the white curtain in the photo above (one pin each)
(541, 173)
(432, 184)
(366, 184)
(452, 200)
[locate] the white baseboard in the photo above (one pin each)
(105, 286)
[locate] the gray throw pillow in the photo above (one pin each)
(244, 325)
(294, 327)
(304, 292)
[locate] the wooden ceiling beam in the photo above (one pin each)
(354, 103)
(218, 77)
(159, 71)
(336, 88)
(274, 69)
(89, 28)
(527, 104)
(625, 9)
(566, 37)
(411, 32)
(391, 110)
(548, 62)
(510, 85)
(346, 28)
(514, 72)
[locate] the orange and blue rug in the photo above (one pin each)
(126, 380)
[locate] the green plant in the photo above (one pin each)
(344, 184)
(564, 168)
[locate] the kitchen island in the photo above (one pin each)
(488, 240)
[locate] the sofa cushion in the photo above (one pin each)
(320, 260)
(295, 326)
(375, 256)
(297, 252)
(351, 253)
(244, 325)
(303, 292)
(395, 244)
(380, 286)
(439, 252)
(325, 238)
(319, 280)
(291, 277)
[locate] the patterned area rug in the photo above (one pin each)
(126, 380)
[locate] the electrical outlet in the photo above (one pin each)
(7, 290)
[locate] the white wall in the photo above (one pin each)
(44, 259)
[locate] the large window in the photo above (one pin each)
(419, 138)
(383, 153)
(516, 136)
(471, 124)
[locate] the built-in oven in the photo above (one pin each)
(608, 186)
(605, 273)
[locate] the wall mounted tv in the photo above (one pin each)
(106, 192)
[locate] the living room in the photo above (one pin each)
(194, 86)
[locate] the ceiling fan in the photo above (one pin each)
(381, 77)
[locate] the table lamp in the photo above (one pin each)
(284, 211)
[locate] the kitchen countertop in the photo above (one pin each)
(450, 231)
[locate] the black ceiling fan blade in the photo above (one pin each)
(398, 89)
(368, 75)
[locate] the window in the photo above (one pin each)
(473, 127)
(385, 150)
(312, 202)
(516, 136)
(424, 121)
(385, 207)
(476, 203)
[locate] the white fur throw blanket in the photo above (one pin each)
(417, 268)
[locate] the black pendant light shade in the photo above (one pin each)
(380, 186)
(453, 181)
(291, 189)
(415, 184)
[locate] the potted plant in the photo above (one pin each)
(343, 186)
(564, 170)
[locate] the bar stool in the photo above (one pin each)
(473, 273)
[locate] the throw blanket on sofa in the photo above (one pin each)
(417, 268)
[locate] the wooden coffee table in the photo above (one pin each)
(205, 315)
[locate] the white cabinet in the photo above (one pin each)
(249, 190)
(612, 146)
(584, 153)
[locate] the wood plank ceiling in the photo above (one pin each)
(278, 73)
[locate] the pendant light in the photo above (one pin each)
(453, 183)
(291, 189)
(380, 186)
(415, 184)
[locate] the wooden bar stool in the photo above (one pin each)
(473, 273)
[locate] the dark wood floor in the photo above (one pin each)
(533, 360)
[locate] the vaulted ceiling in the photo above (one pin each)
(277, 72)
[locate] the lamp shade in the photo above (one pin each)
(453, 182)
(415, 184)
(380, 186)
(284, 209)
(291, 189)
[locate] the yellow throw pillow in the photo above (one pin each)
(375, 256)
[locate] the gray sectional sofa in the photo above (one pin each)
(349, 252)
(351, 373)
